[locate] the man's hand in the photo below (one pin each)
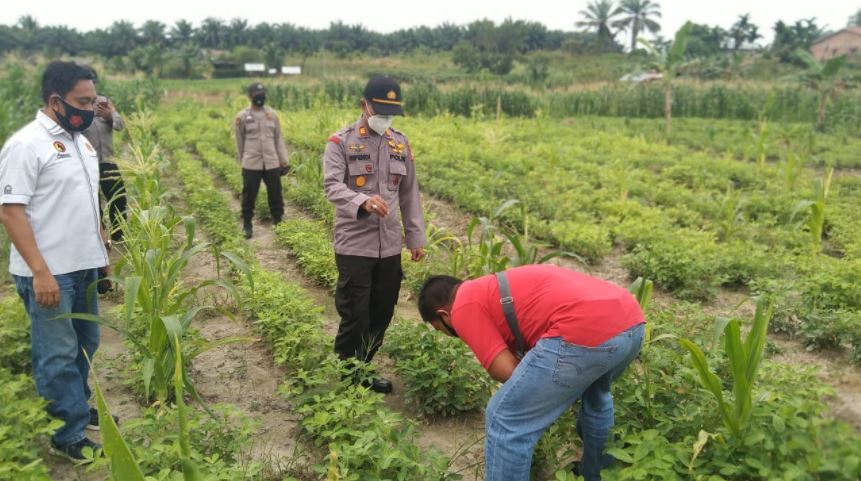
(14, 218)
(46, 289)
(104, 110)
(417, 253)
(376, 205)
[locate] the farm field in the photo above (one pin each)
(724, 224)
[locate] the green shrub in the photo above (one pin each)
(24, 423)
(14, 334)
(440, 374)
(684, 265)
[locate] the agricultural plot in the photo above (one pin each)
(689, 219)
(708, 213)
(664, 208)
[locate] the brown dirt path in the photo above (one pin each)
(448, 435)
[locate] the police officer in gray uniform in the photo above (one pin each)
(262, 153)
(369, 174)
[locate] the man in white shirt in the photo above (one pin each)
(49, 176)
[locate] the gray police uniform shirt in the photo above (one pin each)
(54, 174)
(101, 135)
(259, 143)
(358, 164)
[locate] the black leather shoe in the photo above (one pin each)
(248, 229)
(380, 385)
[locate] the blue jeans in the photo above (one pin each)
(59, 365)
(549, 379)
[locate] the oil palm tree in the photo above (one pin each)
(598, 16)
(182, 31)
(211, 33)
(638, 16)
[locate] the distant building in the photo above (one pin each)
(255, 68)
(641, 77)
(224, 69)
(846, 41)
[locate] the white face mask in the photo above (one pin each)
(380, 123)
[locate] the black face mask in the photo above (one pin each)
(259, 100)
(450, 328)
(75, 120)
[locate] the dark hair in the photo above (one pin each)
(437, 291)
(61, 77)
(93, 71)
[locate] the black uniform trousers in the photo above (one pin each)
(367, 292)
(251, 185)
(112, 187)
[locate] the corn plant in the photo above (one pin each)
(498, 248)
(123, 466)
(526, 251)
(641, 288)
(815, 208)
(487, 253)
(744, 358)
(793, 165)
(154, 290)
(731, 208)
(142, 171)
(642, 291)
(190, 471)
(761, 133)
(158, 247)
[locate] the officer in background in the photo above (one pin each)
(369, 173)
(262, 153)
(101, 136)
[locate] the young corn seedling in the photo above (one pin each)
(744, 358)
(815, 208)
(731, 214)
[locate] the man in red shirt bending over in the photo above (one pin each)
(576, 334)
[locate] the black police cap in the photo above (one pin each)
(256, 88)
(385, 96)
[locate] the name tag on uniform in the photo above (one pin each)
(360, 157)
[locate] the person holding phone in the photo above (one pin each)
(101, 135)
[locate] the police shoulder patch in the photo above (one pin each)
(238, 120)
(335, 139)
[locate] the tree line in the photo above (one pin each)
(182, 47)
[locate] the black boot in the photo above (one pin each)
(378, 384)
(246, 226)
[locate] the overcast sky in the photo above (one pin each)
(389, 15)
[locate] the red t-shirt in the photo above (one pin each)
(549, 302)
